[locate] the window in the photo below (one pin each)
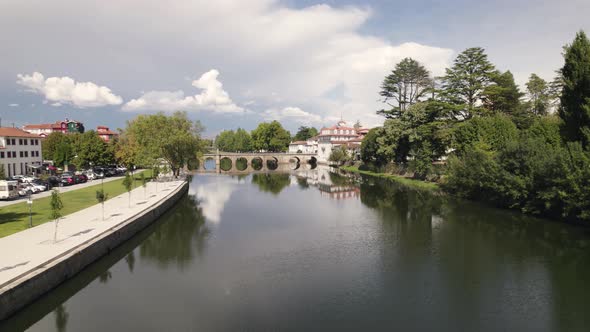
(26, 141)
(32, 141)
(20, 153)
(14, 141)
(8, 141)
(26, 154)
(1, 154)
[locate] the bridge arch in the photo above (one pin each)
(256, 163)
(225, 164)
(272, 163)
(241, 164)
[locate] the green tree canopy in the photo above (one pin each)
(270, 137)
(304, 133)
(225, 141)
(465, 82)
(575, 98)
(407, 84)
(148, 138)
(538, 93)
(242, 141)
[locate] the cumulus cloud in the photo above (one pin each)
(212, 98)
(294, 114)
(65, 90)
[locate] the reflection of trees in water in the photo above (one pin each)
(272, 183)
(476, 247)
(302, 182)
(61, 318)
(225, 164)
(105, 277)
(339, 180)
(130, 259)
(179, 238)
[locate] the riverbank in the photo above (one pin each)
(424, 185)
(40, 263)
(15, 217)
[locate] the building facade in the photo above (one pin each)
(106, 134)
(308, 146)
(66, 126)
(336, 136)
(20, 152)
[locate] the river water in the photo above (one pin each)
(313, 250)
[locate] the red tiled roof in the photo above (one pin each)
(107, 132)
(15, 132)
(336, 127)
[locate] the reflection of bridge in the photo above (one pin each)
(254, 161)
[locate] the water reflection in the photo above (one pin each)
(387, 257)
(61, 318)
(180, 239)
(272, 183)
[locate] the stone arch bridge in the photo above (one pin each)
(256, 161)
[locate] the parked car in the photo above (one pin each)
(8, 189)
(110, 171)
(81, 178)
(29, 187)
(90, 175)
(67, 179)
(17, 177)
(28, 179)
(24, 192)
(39, 184)
(53, 181)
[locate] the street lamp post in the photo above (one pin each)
(30, 202)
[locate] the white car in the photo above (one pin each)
(39, 187)
(28, 179)
(90, 175)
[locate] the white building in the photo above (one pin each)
(338, 135)
(308, 146)
(20, 152)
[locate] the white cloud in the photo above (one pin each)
(12, 105)
(65, 90)
(294, 114)
(212, 98)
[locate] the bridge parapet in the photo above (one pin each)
(266, 159)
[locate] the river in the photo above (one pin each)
(313, 250)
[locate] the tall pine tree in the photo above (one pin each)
(575, 98)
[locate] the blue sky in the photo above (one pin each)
(236, 63)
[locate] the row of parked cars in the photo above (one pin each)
(26, 185)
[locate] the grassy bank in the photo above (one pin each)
(424, 185)
(15, 218)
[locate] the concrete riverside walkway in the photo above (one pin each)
(62, 189)
(32, 249)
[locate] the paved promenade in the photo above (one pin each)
(62, 189)
(30, 250)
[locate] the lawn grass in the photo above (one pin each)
(425, 185)
(15, 218)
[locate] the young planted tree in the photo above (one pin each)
(101, 197)
(575, 99)
(56, 205)
(155, 174)
(143, 180)
(128, 184)
(2, 173)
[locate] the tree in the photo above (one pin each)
(50, 144)
(56, 205)
(503, 94)
(128, 184)
(407, 84)
(465, 82)
(370, 148)
(143, 180)
(357, 125)
(101, 197)
(89, 148)
(339, 155)
(304, 133)
(575, 99)
(538, 93)
(225, 141)
(242, 141)
(270, 137)
(155, 174)
(148, 138)
(2, 172)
